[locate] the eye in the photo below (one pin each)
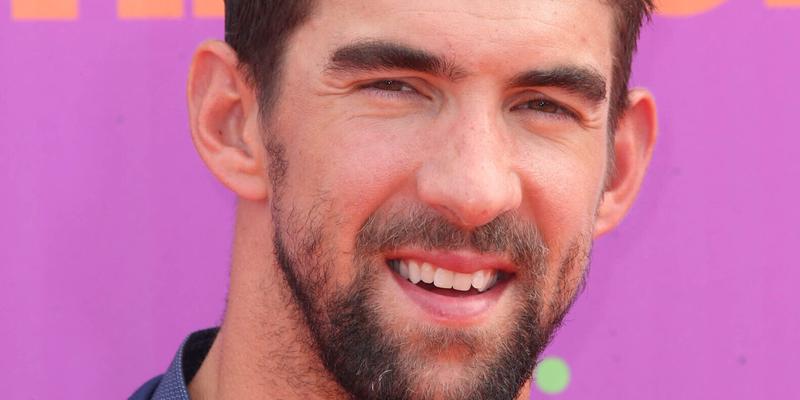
(545, 106)
(392, 88)
(391, 85)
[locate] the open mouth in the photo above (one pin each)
(445, 282)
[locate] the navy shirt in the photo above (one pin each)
(173, 385)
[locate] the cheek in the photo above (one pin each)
(562, 183)
(343, 168)
(366, 162)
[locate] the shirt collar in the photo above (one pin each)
(193, 350)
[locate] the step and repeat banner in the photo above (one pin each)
(115, 240)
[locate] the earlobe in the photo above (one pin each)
(633, 144)
(223, 115)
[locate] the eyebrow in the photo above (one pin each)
(377, 55)
(381, 56)
(583, 81)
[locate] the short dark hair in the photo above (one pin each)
(630, 16)
(258, 30)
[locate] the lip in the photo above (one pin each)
(463, 261)
(458, 311)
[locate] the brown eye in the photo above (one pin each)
(391, 85)
(544, 106)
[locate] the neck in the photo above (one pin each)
(263, 349)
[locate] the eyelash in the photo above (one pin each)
(373, 87)
(560, 112)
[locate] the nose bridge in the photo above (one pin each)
(470, 178)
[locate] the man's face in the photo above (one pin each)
(436, 171)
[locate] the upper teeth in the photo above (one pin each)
(417, 272)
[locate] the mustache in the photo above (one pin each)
(508, 234)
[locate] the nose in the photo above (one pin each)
(469, 176)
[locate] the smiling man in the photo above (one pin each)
(419, 186)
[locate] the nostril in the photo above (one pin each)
(470, 187)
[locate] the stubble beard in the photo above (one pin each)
(349, 330)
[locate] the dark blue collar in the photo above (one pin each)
(173, 384)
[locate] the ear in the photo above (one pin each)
(633, 148)
(223, 114)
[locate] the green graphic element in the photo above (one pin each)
(552, 375)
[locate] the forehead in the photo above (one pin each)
(498, 36)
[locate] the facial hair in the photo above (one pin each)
(348, 328)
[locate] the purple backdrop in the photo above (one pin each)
(114, 239)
